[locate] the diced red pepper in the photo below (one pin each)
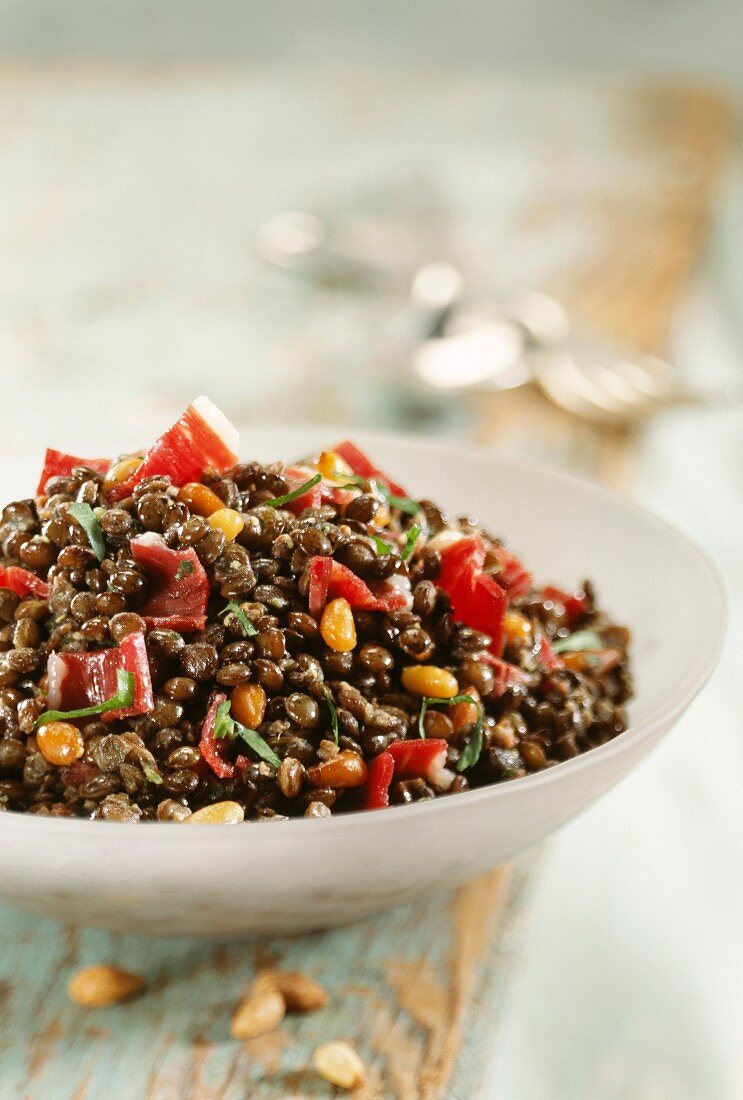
(329, 580)
(203, 437)
(547, 656)
(314, 497)
(322, 493)
(60, 464)
(77, 680)
(512, 575)
(461, 562)
(179, 586)
(320, 570)
(210, 747)
(506, 674)
(477, 599)
(421, 757)
(22, 582)
(364, 467)
(379, 777)
(575, 604)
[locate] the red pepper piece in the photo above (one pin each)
(78, 680)
(422, 758)
(547, 656)
(512, 575)
(202, 437)
(210, 747)
(575, 604)
(22, 582)
(321, 493)
(377, 789)
(329, 580)
(364, 467)
(177, 599)
(320, 570)
(461, 562)
(477, 599)
(59, 464)
(314, 497)
(506, 674)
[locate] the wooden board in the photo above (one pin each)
(614, 191)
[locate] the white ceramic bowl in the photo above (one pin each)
(294, 876)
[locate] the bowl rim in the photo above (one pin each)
(665, 713)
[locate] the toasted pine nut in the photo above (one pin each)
(346, 769)
(337, 626)
(100, 986)
(60, 743)
(339, 1063)
(261, 1011)
(248, 705)
(301, 994)
(218, 813)
(200, 498)
(330, 464)
(228, 521)
(430, 680)
(516, 628)
(122, 471)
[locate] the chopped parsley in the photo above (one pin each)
(471, 751)
(225, 726)
(333, 714)
(246, 626)
(382, 546)
(124, 697)
(85, 516)
(581, 640)
(430, 701)
(279, 502)
(403, 504)
(184, 570)
(410, 541)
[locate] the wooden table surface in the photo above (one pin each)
(128, 274)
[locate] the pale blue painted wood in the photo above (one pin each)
(174, 1042)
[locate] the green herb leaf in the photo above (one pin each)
(581, 640)
(354, 481)
(84, 515)
(279, 502)
(124, 697)
(184, 570)
(431, 701)
(410, 541)
(225, 726)
(471, 751)
(152, 775)
(333, 714)
(382, 546)
(254, 740)
(403, 504)
(246, 626)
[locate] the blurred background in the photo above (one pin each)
(380, 214)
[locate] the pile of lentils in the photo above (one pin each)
(549, 717)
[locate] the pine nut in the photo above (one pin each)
(339, 1063)
(100, 986)
(261, 1011)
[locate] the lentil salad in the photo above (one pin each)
(188, 637)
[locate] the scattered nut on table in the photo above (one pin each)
(339, 1063)
(261, 1011)
(99, 986)
(301, 993)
